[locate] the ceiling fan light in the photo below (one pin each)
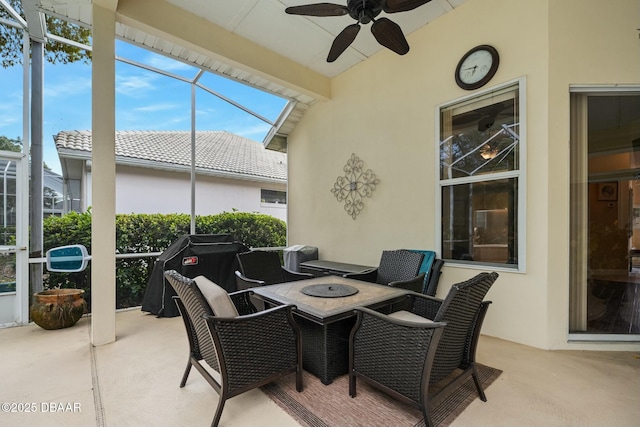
(488, 152)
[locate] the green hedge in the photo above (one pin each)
(140, 233)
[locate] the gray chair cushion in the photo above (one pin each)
(217, 297)
(409, 316)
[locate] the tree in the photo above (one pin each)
(15, 145)
(7, 144)
(55, 52)
(51, 197)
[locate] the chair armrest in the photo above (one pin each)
(364, 311)
(425, 305)
(291, 276)
(416, 284)
(242, 301)
(243, 282)
(367, 275)
(434, 277)
(255, 346)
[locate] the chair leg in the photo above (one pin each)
(299, 385)
(428, 422)
(476, 380)
(216, 417)
(352, 384)
(186, 373)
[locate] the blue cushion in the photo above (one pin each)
(427, 262)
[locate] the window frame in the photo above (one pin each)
(520, 174)
(577, 305)
(272, 204)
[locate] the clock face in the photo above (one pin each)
(477, 67)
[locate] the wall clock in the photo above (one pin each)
(477, 67)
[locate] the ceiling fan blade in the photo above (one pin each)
(342, 41)
(389, 34)
(318, 9)
(466, 118)
(394, 6)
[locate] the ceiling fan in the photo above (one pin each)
(386, 32)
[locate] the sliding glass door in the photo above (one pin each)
(605, 215)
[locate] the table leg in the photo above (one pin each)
(325, 348)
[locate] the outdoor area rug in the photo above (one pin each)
(322, 405)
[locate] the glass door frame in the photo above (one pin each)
(578, 124)
(19, 300)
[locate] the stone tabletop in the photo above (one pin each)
(327, 309)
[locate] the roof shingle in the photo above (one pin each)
(216, 151)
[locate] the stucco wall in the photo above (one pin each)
(384, 111)
(591, 43)
(149, 191)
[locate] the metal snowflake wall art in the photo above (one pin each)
(354, 186)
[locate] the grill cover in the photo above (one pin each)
(209, 255)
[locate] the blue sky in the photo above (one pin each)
(145, 100)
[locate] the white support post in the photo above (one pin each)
(103, 229)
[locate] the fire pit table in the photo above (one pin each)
(326, 318)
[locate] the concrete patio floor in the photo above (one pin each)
(65, 381)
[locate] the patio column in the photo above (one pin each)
(36, 188)
(103, 175)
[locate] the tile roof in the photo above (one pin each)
(216, 151)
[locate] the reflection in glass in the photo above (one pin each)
(480, 223)
(479, 176)
(480, 140)
(605, 201)
(8, 225)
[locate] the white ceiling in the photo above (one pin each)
(304, 40)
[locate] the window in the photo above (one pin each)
(481, 179)
(273, 196)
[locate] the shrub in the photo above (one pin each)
(141, 233)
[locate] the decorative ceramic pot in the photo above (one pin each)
(57, 308)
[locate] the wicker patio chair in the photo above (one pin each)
(259, 268)
(398, 268)
(406, 375)
(395, 355)
(248, 350)
(431, 283)
(432, 267)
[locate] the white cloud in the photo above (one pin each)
(6, 120)
(171, 123)
(72, 86)
(167, 64)
(156, 107)
(141, 120)
(11, 117)
(133, 85)
(256, 132)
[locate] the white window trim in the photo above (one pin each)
(521, 174)
(273, 204)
